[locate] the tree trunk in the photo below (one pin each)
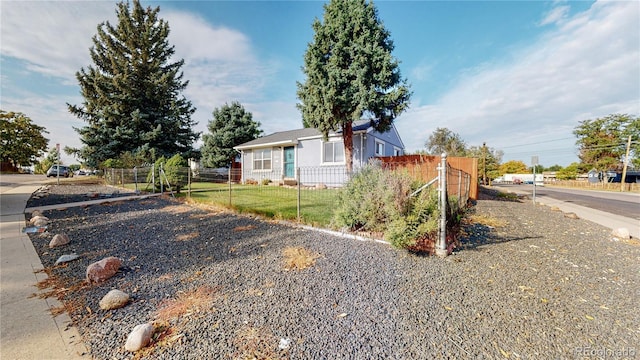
(347, 138)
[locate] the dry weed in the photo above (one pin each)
(257, 343)
(189, 236)
(176, 209)
(187, 303)
(244, 228)
(299, 258)
(486, 221)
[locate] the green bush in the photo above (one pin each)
(371, 198)
(378, 200)
(173, 170)
(420, 222)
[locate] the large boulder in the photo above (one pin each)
(139, 337)
(114, 299)
(103, 269)
(59, 240)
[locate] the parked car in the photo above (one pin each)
(81, 172)
(517, 181)
(64, 171)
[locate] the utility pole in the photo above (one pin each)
(626, 163)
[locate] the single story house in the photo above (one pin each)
(277, 156)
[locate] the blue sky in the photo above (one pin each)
(517, 75)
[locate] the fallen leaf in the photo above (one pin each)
(448, 308)
(544, 300)
(588, 317)
(604, 307)
(341, 315)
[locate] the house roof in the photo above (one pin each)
(291, 137)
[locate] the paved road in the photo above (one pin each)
(624, 204)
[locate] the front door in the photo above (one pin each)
(289, 162)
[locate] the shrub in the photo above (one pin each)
(378, 200)
(372, 198)
(172, 170)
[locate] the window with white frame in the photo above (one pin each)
(397, 151)
(333, 152)
(262, 159)
(379, 148)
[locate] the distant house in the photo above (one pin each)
(277, 156)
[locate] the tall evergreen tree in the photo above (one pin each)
(132, 93)
(351, 73)
(231, 125)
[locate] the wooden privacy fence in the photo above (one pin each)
(425, 168)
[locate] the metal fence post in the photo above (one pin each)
(459, 188)
(229, 180)
(441, 244)
(135, 177)
(189, 181)
(153, 178)
(298, 202)
(160, 177)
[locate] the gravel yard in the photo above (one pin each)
(539, 285)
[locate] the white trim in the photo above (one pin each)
(397, 151)
(375, 148)
(322, 159)
(253, 160)
(266, 145)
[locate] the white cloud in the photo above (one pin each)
(53, 39)
(556, 15)
(587, 67)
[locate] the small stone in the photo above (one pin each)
(103, 269)
(571, 215)
(66, 258)
(36, 213)
(40, 222)
(114, 299)
(555, 208)
(38, 218)
(321, 186)
(284, 344)
(139, 337)
(621, 233)
(59, 240)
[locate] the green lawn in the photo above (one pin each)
(316, 206)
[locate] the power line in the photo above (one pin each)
(536, 143)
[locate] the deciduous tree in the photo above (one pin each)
(351, 73)
(22, 141)
(132, 92)
(231, 125)
(445, 140)
(602, 142)
(514, 167)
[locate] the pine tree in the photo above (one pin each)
(132, 92)
(231, 126)
(351, 73)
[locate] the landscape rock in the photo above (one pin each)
(38, 218)
(114, 299)
(59, 240)
(66, 258)
(103, 269)
(571, 215)
(621, 233)
(35, 213)
(40, 222)
(139, 337)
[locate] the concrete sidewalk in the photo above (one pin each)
(606, 219)
(27, 328)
